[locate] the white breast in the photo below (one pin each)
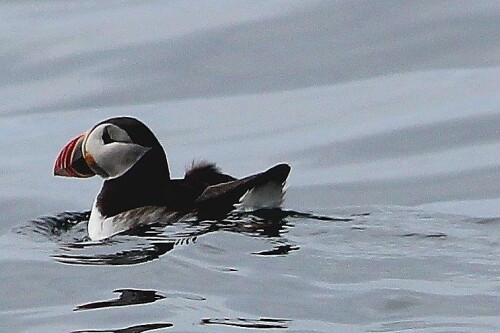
(99, 227)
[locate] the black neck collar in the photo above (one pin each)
(143, 185)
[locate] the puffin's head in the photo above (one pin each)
(109, 149)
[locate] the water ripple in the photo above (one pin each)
(131, 329)
(68, 231)
(127, 297)
(261, 323)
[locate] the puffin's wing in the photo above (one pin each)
(220, 198)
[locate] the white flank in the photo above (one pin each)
(268, 196)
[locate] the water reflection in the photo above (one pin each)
(261, 323)
(81, 253)
(278, 250)
(131, 329)
(149, 243)
(127, 297)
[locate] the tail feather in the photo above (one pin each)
(262, 190)
(269, 195)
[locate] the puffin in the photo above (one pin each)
(137, 189)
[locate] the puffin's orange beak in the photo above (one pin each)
(70, 162)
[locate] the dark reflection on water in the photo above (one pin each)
(490, 220)
(131, 329)
(127, 297)
(261, 323)
(439, 235)
(129, 256)
(278, 250)
(149, 243)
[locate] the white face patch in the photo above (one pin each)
(112, 150)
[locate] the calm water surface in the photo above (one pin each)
(387, 111)
(378, 269)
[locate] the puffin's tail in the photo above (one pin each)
(261, 190)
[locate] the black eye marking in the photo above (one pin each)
(106, 138)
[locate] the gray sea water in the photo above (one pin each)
(388, 112)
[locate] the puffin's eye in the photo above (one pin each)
(106, 138)
(112, 134)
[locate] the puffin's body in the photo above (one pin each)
(137, 188)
